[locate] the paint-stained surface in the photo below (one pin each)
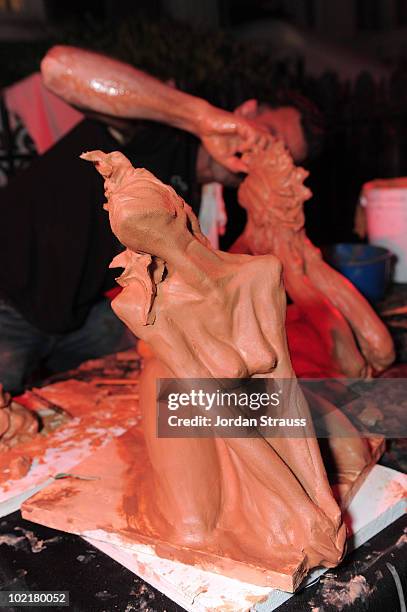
(36, 558)
(77, 414)
(97, 583)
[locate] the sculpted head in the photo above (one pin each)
(274, 186)
(146, 215)
(152, 221)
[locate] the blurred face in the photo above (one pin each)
(285, 123)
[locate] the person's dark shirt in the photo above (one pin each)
(55, 239)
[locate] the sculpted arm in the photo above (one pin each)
(107, 86)
(373, 336)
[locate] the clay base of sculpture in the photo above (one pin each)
(115, 508)
(115, 504)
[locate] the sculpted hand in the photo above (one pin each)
(226, 136)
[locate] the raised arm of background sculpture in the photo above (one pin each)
(255, 508)
(273, 195)
(112, 88)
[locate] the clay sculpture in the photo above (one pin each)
(348, 338)
(261, 504)
(273, 194)
(120, 92)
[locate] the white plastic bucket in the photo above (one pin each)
(385, 201)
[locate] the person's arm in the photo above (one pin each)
(107, 86)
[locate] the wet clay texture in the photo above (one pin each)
(117, 91)
(273, 193)
(257, 509)
(17, 424)
(74, 418)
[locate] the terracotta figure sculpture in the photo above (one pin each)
(117, 90)
(273, 194)
(208, 314)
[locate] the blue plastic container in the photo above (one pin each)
(368, 267)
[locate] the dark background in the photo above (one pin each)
(347, 56)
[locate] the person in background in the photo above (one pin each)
(55, 239)
(292, 118)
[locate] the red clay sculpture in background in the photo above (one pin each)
(273, 194)
(117, 90)
(329, 312)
